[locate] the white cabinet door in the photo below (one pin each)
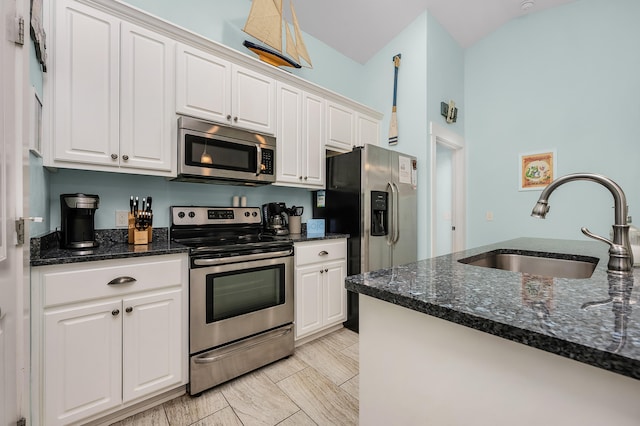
(253, 101)
(289, 140)
(335, 295)
(147, 102)
(203, 85)
(368, 130)
(314, 156)
(151, 337)
(308, 295)
(82, 361)
(86, 76)
(341, 130)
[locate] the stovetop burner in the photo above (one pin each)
(216, 230)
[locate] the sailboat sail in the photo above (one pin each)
(300, 46)
(265, 23)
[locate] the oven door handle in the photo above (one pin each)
(241, 346)
(245, 258)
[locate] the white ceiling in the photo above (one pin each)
(360, 28)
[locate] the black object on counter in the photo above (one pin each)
(77, 227)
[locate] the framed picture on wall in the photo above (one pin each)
(536, 170)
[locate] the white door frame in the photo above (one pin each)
(14, 269)
(452, 140)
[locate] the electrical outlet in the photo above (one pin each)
(122, 218)
(489, 216)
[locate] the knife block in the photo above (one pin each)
(136, 236)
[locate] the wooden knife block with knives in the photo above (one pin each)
(140, 221)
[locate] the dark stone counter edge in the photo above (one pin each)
(594, 357)
(113, 245)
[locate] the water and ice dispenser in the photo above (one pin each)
(379, 213)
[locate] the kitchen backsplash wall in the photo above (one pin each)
(114, 190)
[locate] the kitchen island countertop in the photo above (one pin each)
(595, 320)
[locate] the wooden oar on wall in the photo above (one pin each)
(393, 125)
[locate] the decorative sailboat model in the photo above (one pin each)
(265, 23)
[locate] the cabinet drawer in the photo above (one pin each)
(73, 283)
(321, 251)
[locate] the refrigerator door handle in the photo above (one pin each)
(396, 213)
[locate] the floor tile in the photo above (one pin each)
(322, 356)
(284, 368)
(152, 417)
(323, 401)
(352, 387)
(224, 417)
(298, 419)
(256, 400)
(186, 409)
(352, 352)
(341, 339)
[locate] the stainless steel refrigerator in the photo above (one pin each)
(371, 195)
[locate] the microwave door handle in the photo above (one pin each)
(258, 160)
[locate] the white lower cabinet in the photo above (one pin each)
(106, 335)
(320, 295)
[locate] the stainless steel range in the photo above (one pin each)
(241, 292)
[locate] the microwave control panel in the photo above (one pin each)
(267, 162)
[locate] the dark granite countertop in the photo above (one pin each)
(113, 245)
(594, 320)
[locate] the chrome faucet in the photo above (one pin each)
(620, 255)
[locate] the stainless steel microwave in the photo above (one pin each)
(211, 152)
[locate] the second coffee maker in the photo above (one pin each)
(275, 218)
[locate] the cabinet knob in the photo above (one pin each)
(326, 270)
(300, 177)
(235, 119)
(229, 117)
(129, 309)
(115, 312)
(321, 271)
(125, 157)
(114, 156)
(323, 253)
(305, 178)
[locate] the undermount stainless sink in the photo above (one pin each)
(536, 263)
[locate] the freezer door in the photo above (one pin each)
(376, 176)
(404, 205)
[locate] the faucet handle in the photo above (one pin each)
(590, 234)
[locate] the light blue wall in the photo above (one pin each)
(568, 79)
(411, 102)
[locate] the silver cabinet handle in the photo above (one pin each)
(326, 270)
(129, 309)
(323, 253)
(122, 280)
(125, 157)
(114, 156)
(235, 119)
(115, 312)
(229, 117)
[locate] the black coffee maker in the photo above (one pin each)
(77, 213)
(275, 218)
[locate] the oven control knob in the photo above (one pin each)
(254, 214)
(247, 214)
(192, 215)
(181, 215)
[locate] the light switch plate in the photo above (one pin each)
(122, 218)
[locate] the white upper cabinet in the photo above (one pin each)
(213, 88)
(341, 127)
(113, 88)
(367, 130)
(147, 118)
(301, 158)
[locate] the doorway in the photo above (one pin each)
(447, 191)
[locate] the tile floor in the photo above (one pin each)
(318, 385)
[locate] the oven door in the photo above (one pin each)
(236, 300)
